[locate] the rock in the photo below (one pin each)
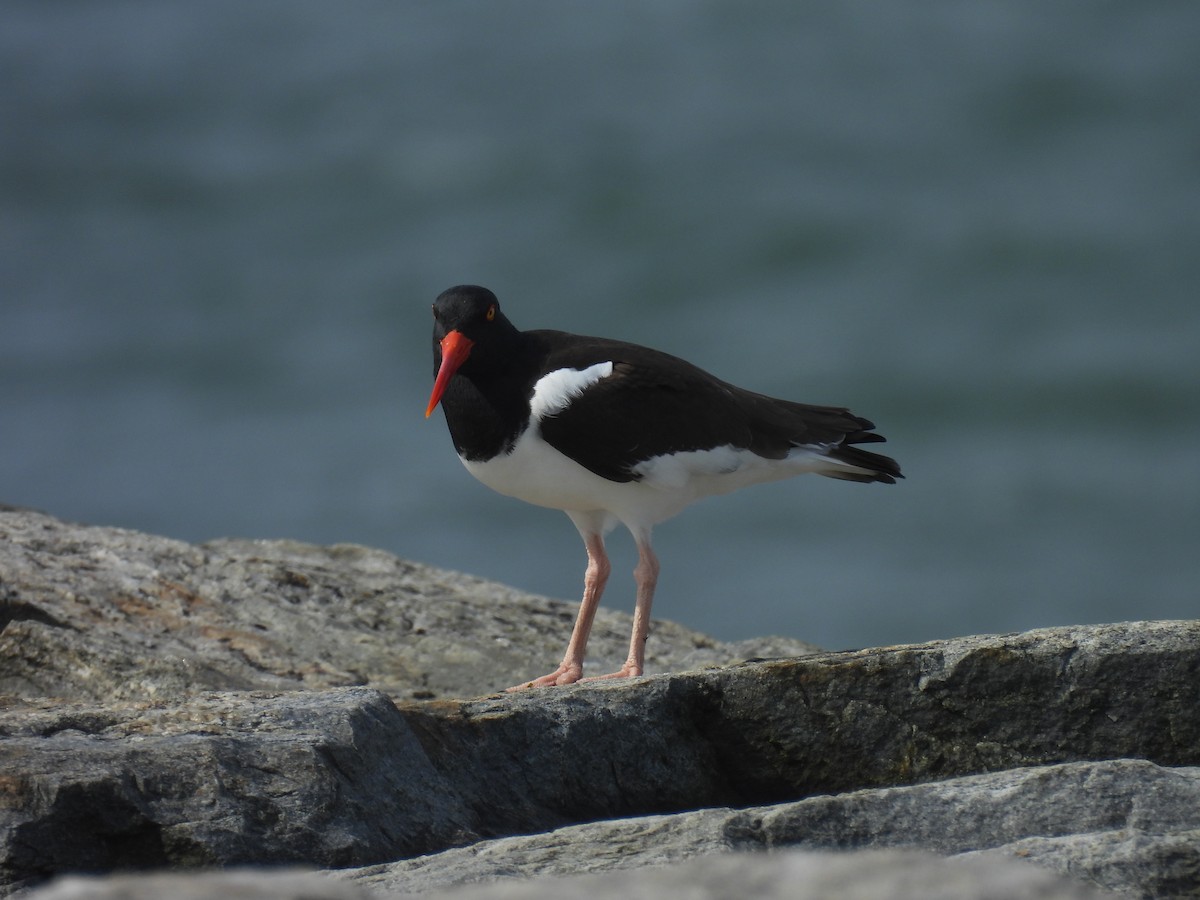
(1121, 824)
(1132, 863)
(330, 778)
(90, 613)
(241, 884)
(869, 875)
(171, 705)
(343, 778)
(773, 731)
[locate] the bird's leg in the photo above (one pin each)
(594, 579)
(645, 574)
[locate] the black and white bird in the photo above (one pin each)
(612, 432)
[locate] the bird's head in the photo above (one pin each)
(463, 317)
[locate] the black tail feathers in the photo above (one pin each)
(878, 468)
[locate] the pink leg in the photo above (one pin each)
(571, 668)
(646, 576)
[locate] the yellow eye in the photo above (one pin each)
(491, 313)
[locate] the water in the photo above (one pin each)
(223, 225)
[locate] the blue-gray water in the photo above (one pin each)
(223, 223)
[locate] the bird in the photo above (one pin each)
(616, 433)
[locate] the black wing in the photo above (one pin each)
(654, 404)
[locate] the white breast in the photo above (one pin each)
(537, 473)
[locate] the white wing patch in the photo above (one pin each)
(727, 468)
(554, 391)
(675, 470)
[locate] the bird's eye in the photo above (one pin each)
(491, 313)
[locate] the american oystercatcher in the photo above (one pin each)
(612, 432)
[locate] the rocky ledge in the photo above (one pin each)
(225, 713)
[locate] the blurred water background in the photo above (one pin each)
(223, 223)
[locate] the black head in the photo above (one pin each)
(472, 310)
(467, 322)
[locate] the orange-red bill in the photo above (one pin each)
(456, 347)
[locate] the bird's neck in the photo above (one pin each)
(487, 405)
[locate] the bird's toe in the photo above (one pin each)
(626, 671)
(562, 675)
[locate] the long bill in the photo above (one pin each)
(456, 347)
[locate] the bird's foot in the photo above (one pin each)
(570, 674)
(564, 674)
(629, 670)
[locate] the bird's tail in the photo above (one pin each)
(866, 466)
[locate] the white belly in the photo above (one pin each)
(537, 473)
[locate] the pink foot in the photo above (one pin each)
(564, 674)
(626, 671)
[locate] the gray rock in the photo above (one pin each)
(1135, 863)
(1125, 825)
(104, 614)
(596, 847)
(775, 731)
(342, 778)
(330, 778)
(117, 752)
(240, 884)
(869, 875)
